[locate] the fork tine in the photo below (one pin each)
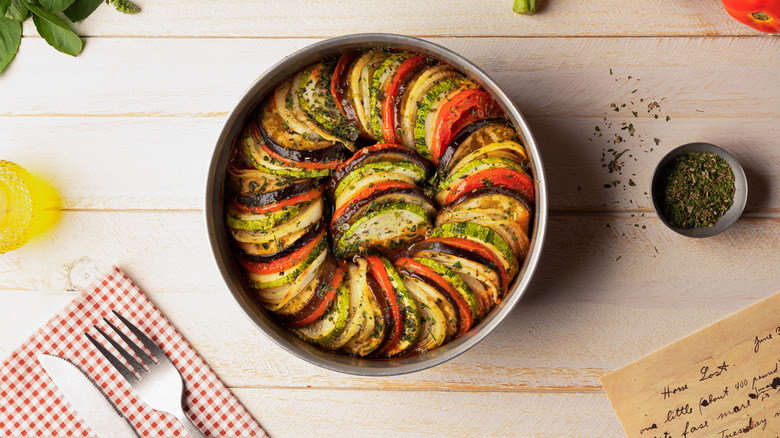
(153, 348)
(138, 351)
(116, 363)
(139, 368)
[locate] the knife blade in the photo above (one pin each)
(87, 398)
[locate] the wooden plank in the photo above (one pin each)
(547, 77)
(149, 153)
(334, 412)
(601, 298)
(299, 18)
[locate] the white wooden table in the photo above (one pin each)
(125, 132)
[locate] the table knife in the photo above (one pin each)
(87, 398)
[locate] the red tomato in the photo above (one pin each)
(380, 274)
(478, 249)
(283, 263)
(391, 95)
(465, 107)
(495, 176)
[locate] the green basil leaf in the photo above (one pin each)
(17, 10)
(55, 31)
(10, 37)
(81, 9)
(4, 4)
(55, 6)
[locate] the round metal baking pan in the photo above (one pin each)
(217, 234)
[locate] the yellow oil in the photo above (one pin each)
(29, 206)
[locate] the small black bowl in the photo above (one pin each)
(740, 189)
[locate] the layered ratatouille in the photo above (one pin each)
(379, 203)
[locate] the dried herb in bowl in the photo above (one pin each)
(699, 190)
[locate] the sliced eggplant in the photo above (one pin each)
(481, 132)
(311, 298)
(281, 132)
(254, 182)
(496, 199)
(339, 87)
(466, 142)
(264, 198)
(387, 228)
(253, 147)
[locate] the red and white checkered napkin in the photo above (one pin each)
(31, 405)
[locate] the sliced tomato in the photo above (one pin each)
(368, 191)
(303, 197)
(391, 96)
(335, 83)
(464, 108)
(328, 289)
(377, 270)
(494, 176)
(466, 320)
(283, 263)
(478, 249)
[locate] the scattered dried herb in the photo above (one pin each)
(699, 190)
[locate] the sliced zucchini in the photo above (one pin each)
(448, 309)
(357, 324)
(242, 220)
(293, 118)
(281, 132)
(317, 102)
(415, 94)
(481, 234)
(382, 76)
(276, 297)
(433, 327)
(428, 109)
(375, 172)
(299, 300)
(389, 227)
(275, 238)
(360, 344)
(483, 281)
(287, 276)
(454, 279)
(507, 150)
(329, 326)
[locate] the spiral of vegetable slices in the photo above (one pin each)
(379, 203)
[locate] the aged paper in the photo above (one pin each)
(720, 382)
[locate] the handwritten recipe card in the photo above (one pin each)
(720, 382)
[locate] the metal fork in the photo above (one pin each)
(161, 386)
